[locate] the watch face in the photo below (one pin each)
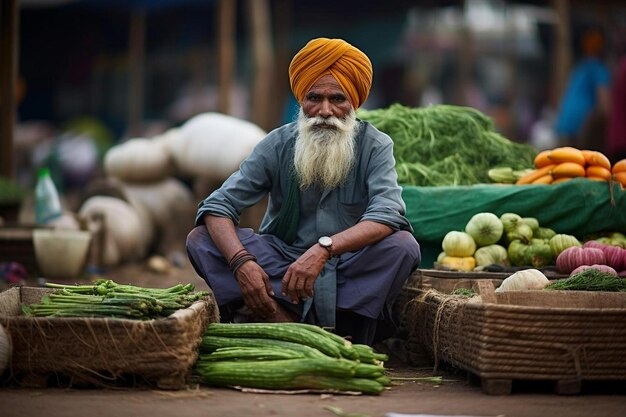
(325, 241)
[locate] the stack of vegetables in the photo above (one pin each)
(599, 265)
(446, 145)
(513, 240)
(591, 267)
(565, 163)
(609, 258)
(106, 298)
(506, 240)
(287, 356)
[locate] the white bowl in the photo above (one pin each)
(61, 253)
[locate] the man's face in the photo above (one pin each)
(326, 99)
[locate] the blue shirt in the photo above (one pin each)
(371, 191)
(581, 95)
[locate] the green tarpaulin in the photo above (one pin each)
(578, 207)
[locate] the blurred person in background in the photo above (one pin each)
(583, 112)
(616, 144)
(334, 247)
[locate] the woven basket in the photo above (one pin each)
(440, 280)
(530, 335)
(103, 351)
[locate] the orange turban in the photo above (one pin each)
(351, 68)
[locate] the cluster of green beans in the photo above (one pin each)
(446, 145)
(106, 298)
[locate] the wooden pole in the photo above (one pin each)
(136, 58)
(263, 58)
(9, 44)
(466, 61)
(562, 47)
(283, 17)
(226, 17)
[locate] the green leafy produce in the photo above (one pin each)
(446, 145)
(591, 279)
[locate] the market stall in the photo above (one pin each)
(521, 252)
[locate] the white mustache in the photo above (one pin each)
(329, 121)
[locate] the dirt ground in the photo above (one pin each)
(456, 395)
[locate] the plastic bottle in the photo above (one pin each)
(47, 202)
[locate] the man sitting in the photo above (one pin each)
(334, 247)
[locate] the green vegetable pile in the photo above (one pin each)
(287, 356)
(590, 279)
(446, 145)
(108, 299)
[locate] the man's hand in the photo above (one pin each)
(298, 282)
(256, 289)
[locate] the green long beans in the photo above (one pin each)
(446, 145)
(106, 298)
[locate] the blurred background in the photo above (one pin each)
(116, 69)
(81, 78)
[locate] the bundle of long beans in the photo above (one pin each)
(107, 298)
(446, 145)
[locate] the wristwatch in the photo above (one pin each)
(327, 243)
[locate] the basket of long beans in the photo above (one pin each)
(105, 333)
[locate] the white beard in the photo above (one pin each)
(324, 156)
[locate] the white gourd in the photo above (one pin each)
(169, 140)
(139, 160)
(212, 145)
(128, 229)
(161, 199)
(524, 280)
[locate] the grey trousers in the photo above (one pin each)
(368, 281)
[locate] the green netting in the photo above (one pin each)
(578, 207)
